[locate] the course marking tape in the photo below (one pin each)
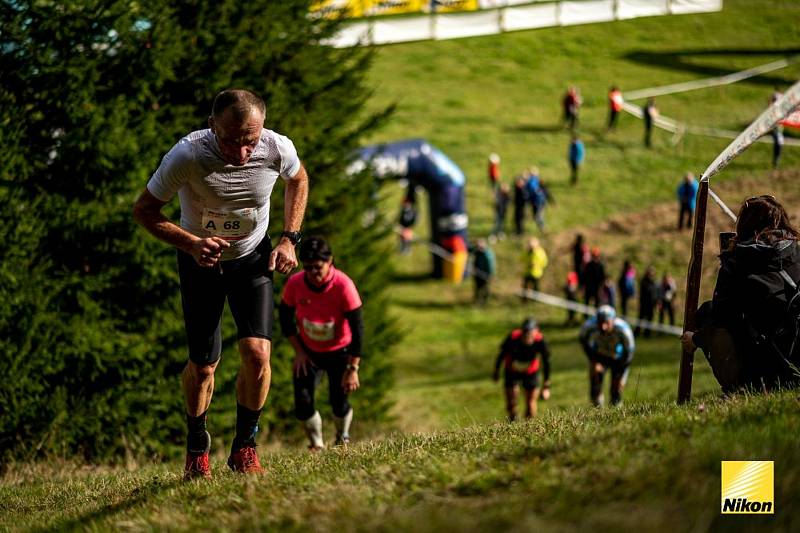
(710, 82)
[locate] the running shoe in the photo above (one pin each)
(245, 460)
(342, 440)
(197, 463)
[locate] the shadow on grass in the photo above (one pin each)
(137, 496)
(678, 60)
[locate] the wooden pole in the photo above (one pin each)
(693, 290)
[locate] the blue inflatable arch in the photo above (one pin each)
(421, 163)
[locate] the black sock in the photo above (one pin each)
(246, 427)
(197, 437)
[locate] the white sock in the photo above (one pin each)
(343, 424)
(313, 427)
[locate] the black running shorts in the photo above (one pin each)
(528, 381)
(247, 284)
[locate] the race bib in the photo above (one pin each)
(520, 366)
(230, 225)
(319, 331)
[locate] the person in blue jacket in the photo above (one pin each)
(575, 154)
(484, 266)
(687, 199)
(608, 343)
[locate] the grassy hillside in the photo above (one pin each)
(501, 93)
(453, 463)
(652, 467)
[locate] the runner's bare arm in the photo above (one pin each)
(283, 258)
(147, 212)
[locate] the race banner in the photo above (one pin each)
(450, 6)
(392, 7)
(338, 8)
(792, 121)
(760, 127)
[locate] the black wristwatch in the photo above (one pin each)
(293, 236)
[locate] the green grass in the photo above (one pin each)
(452, 463)
(646, 467)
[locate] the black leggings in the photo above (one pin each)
(305, 386)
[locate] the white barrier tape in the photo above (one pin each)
(760, 126)
(721, 204)
(555, 301)
(673, 126)
(710, 82)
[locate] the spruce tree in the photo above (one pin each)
(93, 93)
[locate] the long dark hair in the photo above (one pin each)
(763, 218)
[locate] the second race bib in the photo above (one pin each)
(319, 331)
(230, 225)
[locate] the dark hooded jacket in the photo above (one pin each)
(750, 295)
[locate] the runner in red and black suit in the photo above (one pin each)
(320, 315)
(522, 353)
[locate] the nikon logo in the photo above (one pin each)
(748, 487)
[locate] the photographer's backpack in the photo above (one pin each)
(774, 325)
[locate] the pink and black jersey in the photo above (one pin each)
(320, 312)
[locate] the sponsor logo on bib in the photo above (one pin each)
(319, 331)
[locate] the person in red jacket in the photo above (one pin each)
(522, 353)
(320, 315)
(615, 102)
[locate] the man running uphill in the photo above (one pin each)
(224, 176)
(323, 304)
(608, 343)
(520, 355)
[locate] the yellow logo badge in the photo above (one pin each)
(748, 487)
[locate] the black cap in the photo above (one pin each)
(529, 324)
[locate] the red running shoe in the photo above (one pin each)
(245, 460)
(197, 467)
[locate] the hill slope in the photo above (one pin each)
(649, 467)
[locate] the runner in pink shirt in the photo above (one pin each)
(320, 315)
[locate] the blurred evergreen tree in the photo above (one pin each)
(92, 94)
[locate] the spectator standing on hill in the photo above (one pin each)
(593, 277)
(483, 270)
(648, 299)
(608, 344)
(777, 144)
(571, 294)
(687, 198)
(408, 217)
(534, 262)
(494, 170)
(649, 114)
(748, 331)
(666, 297)
(321, 317)
(520, 200)
(615, 102)
(571, 104)
(627, 286)
(575, 155)
(539, 196)
(502, 195)
(580, 257)
(522, 355)
(224, 176)
(776, 133)
(608, 293)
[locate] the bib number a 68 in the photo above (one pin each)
(231, 225)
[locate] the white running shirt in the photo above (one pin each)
(221, 199)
